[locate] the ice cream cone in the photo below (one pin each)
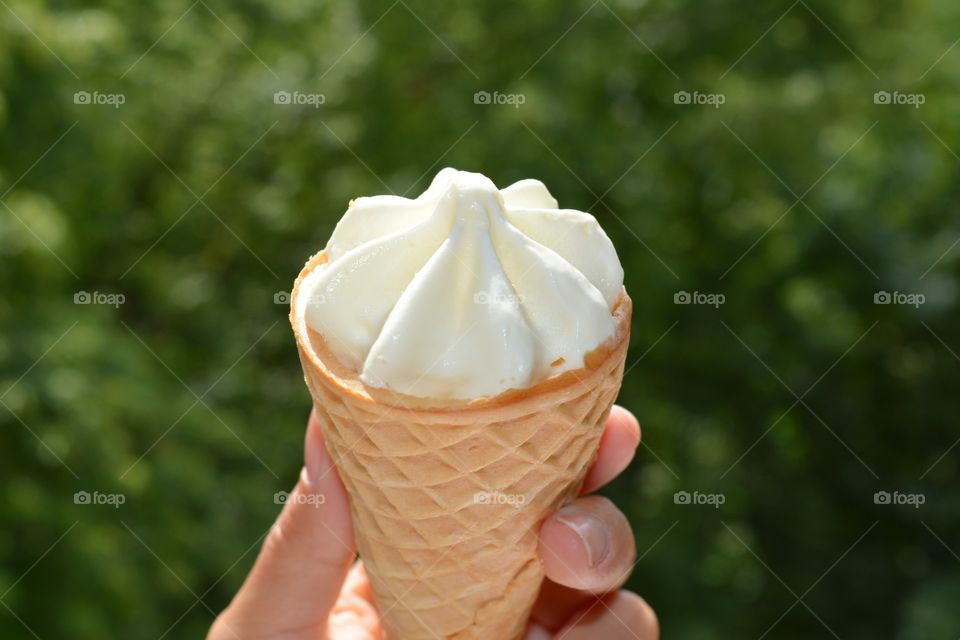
(447, 496)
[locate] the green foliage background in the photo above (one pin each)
(188, 398)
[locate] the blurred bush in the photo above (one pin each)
(144, 156)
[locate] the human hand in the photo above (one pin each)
(305, 584)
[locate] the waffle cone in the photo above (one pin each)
(447, 496)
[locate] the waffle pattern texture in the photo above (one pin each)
(447, 499)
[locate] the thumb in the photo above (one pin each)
(305, 558)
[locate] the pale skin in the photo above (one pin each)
(307, 585)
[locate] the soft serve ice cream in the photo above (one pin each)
(466, 291)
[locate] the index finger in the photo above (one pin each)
(618, 444)
(305, 558)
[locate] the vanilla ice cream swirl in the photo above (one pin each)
(466, 291)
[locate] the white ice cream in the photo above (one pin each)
(466, 291)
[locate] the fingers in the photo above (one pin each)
(355, 616)
(305, 558)
(358, 583)
(618, 616)
(617, 446)
(587, 545)
(586, 548)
